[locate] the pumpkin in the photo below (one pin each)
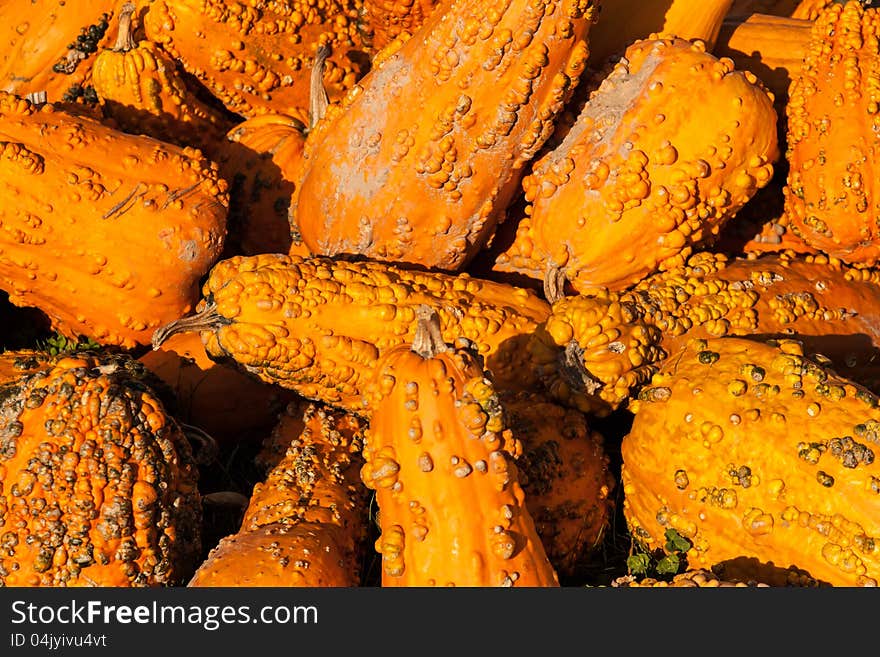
(595, 352)
(216, 397)
(99, 487)
(833, 136)
(75, 190)
(139, 87)
(691, 578)
(565, 476)
(438, 455)
(318, 325)
(385, 20)
(643, 176)
(619, 24)
(775, 464)
(490, 77)
(256, 57)
(50, 45)
(306, 522)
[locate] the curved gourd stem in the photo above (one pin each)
(428, 340)
(554, 283)
(318, 99)
(571, 364)
(208, 319)
(124, 40)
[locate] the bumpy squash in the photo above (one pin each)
(216, 397)
(620, 23)
(97, 482)
(834, 136)
(107, 233)
(438, 455)
(489, 77)
(692, 578)
(775, 464)
(385, 20)
(595, 352)
(642, 175)
(305, 523)
(139, 87)
(50, 45)
(319, 325)
(565, 475)
(256, 56)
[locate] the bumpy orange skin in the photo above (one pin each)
(641, 174)
(216, 397)
(34, 40)
(691, 578)
(256, 57)
(834, 136)
(261, 158)
(754, 452)
(140, 88)
(97, 482)
(451, 509)
(565, 474)
(107, 233)
(305, 523)
(318, 325)
(618, 340)
(488, 79)
(619, 23)
(385, 20)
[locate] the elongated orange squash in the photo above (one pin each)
(489, 78)
(107, 233)
(833, 139)
(139, 87)
(98, 486)
(643, 176)
(438, 455)
(306, 522)
(758, 456)
(318, 325)
(596, 352)
(256, 56)
(50, 45)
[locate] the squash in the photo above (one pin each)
(98, 486)
(107, 233)
(385, 20)
(306, 522)
(216, 397)
(139, 87)
(50, 45)
(565, 475)
(318, 325)
(691, 578)
(833, 137)
(759, 456)
(256, 56)
(642, 175)
(438, 455)
(596, 352)
(488, 78)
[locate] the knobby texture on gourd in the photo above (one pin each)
(319, 325)
(140, 88)
(834, 136)
(565, 475)
(306, 522)
(97, 481)
(642, 174)
(691, 578)
(487, 80)
(256, 57)
(50, 46)
(595, 352)
(385, 20)
(107, 233)
(761, 458)
(451, 509)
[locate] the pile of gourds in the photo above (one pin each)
(477, 288)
